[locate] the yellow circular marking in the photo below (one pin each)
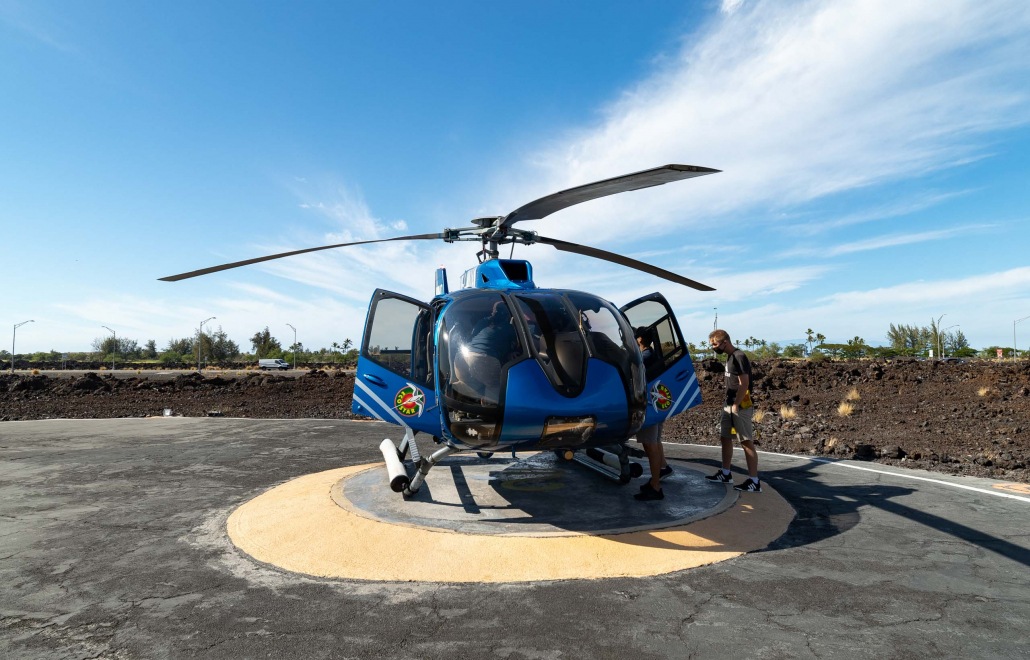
(298, 527)
(1023, 489)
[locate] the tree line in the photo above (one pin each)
(209, 348)
(904, 340)
(216, 349)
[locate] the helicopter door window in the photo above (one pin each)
(398, 339)
(656, 317)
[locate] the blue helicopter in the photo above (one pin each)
(503, 365)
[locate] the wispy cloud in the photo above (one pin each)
(968, 291)
(799, 101)
(874, 213)
(33, 20)
(881, 242)
(794, 101)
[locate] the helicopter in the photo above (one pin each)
(501, 364)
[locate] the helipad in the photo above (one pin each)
(501, 520)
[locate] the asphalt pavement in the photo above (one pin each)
(113, 544)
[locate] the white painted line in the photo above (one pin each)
(887, 472)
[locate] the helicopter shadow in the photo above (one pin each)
(824, 511)
(549, 496)
(541, 495)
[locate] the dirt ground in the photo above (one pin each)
(971, 418)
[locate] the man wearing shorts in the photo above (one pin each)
(651, 437)
(736, 414)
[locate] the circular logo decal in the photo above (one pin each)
(409, 401)
(661, 397)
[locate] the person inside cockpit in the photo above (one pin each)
(494, 335)
(492, 345)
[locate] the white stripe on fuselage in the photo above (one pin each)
(675, 407)
(382, 403)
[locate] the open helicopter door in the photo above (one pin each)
(671, 383)
(394, 381)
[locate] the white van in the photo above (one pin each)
(278, 363)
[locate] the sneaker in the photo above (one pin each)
(749, 485)
(665, 472)
(647, 493)
(720, 478)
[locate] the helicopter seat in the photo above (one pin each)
(463, 381)
(569, 353)
(483, 375)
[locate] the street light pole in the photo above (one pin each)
(1015, 352)
(200, 333)
(715, 324)
(294, 347)
(115, 351)
(13, 335)
(937, 328)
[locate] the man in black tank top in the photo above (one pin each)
(736, 414)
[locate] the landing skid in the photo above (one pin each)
(612, 462)
(400, 482)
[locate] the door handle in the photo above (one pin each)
(375, 380)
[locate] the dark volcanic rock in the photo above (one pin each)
(970, 418)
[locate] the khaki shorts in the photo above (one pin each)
(740, 422)
(652, 435)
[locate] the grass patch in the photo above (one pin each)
(983, 391)
(758, 416)
(786, 412)
(853, 395)
(845, 409)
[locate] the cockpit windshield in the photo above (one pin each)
(565, 330)
(483, 335)
(556, 339)
(479, 340)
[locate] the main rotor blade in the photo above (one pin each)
(588, 251)
(545, 206)
(247, 262)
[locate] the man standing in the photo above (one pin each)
(736, 414)
(651, 437)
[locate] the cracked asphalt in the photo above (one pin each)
(113, 545)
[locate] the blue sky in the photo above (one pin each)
(874, 157)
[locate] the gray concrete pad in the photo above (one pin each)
(538, 494)
(113, 544)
